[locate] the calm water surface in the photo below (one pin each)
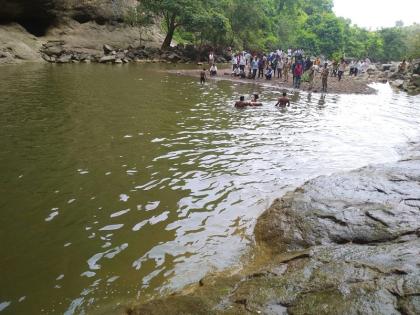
(121, 182)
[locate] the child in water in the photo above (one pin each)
(203, 76)
(283, 101)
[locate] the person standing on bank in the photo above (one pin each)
(297, 74)
(311, 76)
(286, 69)
(261, 66)
(341, 69)
(254, 67)
(280, 66)
(324, 76)
(211, 58)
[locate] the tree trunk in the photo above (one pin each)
(171, 30)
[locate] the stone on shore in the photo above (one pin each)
(397, 83)
(64, 59)
(107, 49)
(105, 59)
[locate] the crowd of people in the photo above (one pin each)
(282, 64)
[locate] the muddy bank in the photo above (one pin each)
(348, 85)
(341, 244)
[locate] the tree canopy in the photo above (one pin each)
(271, 24)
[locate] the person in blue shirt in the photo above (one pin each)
(269, 73)
(254, 66)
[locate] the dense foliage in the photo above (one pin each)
(271, 24)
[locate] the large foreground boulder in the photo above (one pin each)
(344, 244)
(378, 203)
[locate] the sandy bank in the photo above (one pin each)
(348, 85)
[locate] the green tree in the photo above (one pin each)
(212, 28)
(175, 14)
(394, 43)
(413, 41)
(268, 24)
(322, 33)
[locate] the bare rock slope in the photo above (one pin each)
(82, 27)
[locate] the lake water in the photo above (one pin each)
(122, 182)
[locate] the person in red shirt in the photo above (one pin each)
(297, 73)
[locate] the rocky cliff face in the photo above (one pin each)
(38, 15)
(81, 26)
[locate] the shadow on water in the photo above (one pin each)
(120, 182)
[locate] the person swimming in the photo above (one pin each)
(283, 101)
(254, 100)
(242, 103)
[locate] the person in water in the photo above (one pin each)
(324, 76)
(241, 103)
(213, 70)
(283, 101)
(203, 76)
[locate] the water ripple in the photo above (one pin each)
(192, 175)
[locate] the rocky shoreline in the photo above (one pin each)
(341, 244)
(56, 52)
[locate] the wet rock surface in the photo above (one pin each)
(341, 244)
(374, 204)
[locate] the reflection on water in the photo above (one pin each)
(120, 182)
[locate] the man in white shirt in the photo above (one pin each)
(234, 62)
(213, 70)
(242, 62)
